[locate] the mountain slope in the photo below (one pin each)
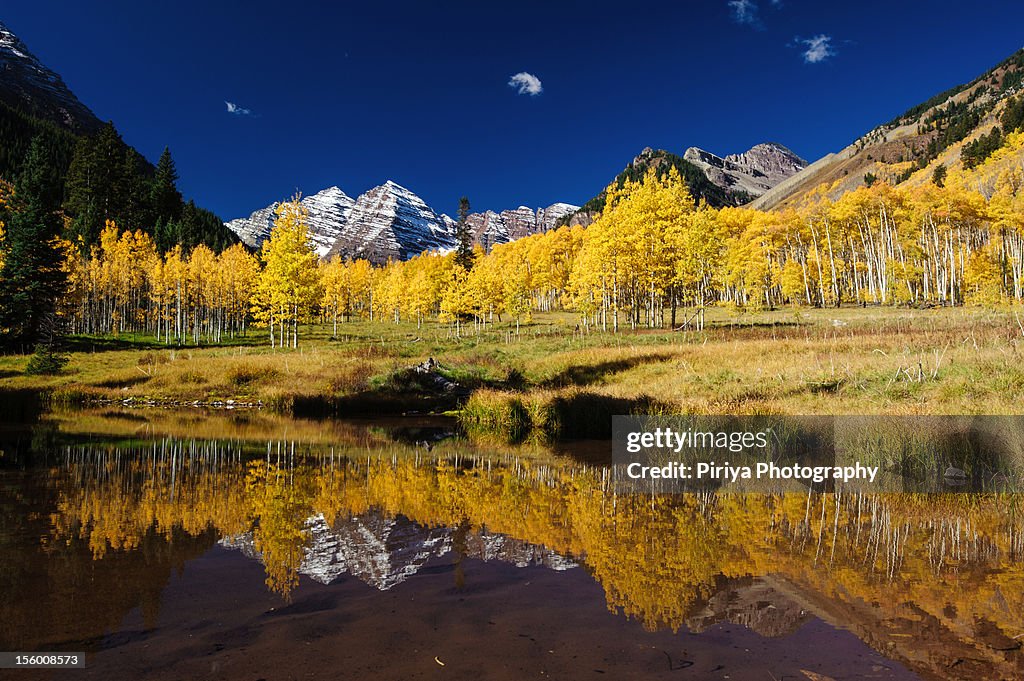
(390, 222)
(490, 228)
(327, 211)
(27, 85)
(662, 161)
(98, 175)
(943, 131)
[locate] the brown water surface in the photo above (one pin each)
(186, 545)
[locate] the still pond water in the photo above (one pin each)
(238, 545)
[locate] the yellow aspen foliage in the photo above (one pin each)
(982, 278)
(650, 253)
(458, 301)
(289, 285)
(334, 276)
(6, 191)
(238, 270)
(427, 275)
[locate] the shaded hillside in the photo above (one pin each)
(17, 129)
(26, 84)
(95, 175)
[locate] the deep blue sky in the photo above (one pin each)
(355, 93)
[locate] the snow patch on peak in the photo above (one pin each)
(392, 222)
(327, 212)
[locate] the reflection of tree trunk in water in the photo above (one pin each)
(459, 547)
(835, 528)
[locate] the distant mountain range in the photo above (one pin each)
(391, 222)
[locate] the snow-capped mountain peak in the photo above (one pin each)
(392, 222)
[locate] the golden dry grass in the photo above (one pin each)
(874, 360)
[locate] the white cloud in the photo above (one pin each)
(237, 110)
(744, 12)
(819, 48)
(526, 84)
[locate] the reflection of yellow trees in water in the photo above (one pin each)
(280, 502)
(112, 496)
(654, 556)
(957, 558)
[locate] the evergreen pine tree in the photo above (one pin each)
(106, 181)
(31, 281)
(166, 234)
(464, 239)
(165, 197)
(80, 200)
(190, 228)
(133, 209)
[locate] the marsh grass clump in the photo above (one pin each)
(123, 380)
(376, 350)
(405, 381)
(247, 374)
(498, 414)
(191, 377)
(73, 395)
(548, 415)
(279, 401)
(926, 447)
(515, 379)
(351, 378)
(149, 360)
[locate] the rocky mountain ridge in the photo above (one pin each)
(733, 180)
(749, 174)
(326, 211)
(392, 222)
(491, 228)
(27, 85)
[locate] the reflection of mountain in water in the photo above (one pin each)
(385, 551)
